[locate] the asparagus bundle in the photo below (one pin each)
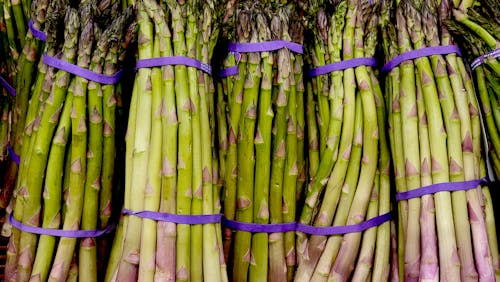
(348, 150)
(170, 166)
(27, 75)
(261, 137)
(436, 138)
(68, 124)
(476, 30)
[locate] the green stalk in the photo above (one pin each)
(10, 25)
(20, 22)
(411, 155)
(213, 267)
(381, 261)
(312, 131)
(128, 266)
(53, 191)
(196, 189)
(246, 157)
(152, 191)
(429, 267)
(363, 268)
(347, 254)
(329, 254)
(38, 161)
(260, 252)
(235, 100)
(74, 202)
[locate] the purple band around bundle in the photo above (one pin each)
(7, 86)
(424, 52)
(440, 187)
(480, 60)
(259, 228)
(37, 33)
(85, 73)
(59, 232)
(176, 218)
(267, 46)
(13, 155)
(342, 65)
(337, 230)
(308, 229)
(174, 60)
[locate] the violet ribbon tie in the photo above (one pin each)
(419, 53)
(480, 60)
(37, 33)
(176, 218)
(441, 187)
(59, 232)
(174, 60)
(79, 71)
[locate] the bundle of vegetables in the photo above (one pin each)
(476, 29)
(261, 136)
(348, 150)
(170, 163)
(27, 75)
(446, 229)
(14, 17)
(67, 159)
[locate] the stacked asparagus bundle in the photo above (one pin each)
(476, 30)
(348, 151)
(68, 146)
(27, 74)
(170, 159)
(261, 136)
(436, 138)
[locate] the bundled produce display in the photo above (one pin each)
(476, 30)
(348, 150)
(170, 229)
(446, 226)
(271, 140)
(65, 182)
(260, 108)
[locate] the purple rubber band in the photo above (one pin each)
(337, 230)
(424, 52)
(342, 65)
(85, 73)
(59, 232)
(480, 60)
(7, 86)
(15, 157)
(176, 218)
(37, 33)
(174, 60)
(440, 187)
(259, 228)
(265, 46)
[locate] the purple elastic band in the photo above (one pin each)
(85, 73)
(259, 228)
(342, 65)
(480, 60)
(176, 218)
(174, 60)
(231, 70)
(237, 48)
(13, 155)
(7, 86)
(37, 33)
(440, 187)
(337, 230)
(59, 232)
(424, 52)
(265, 46)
